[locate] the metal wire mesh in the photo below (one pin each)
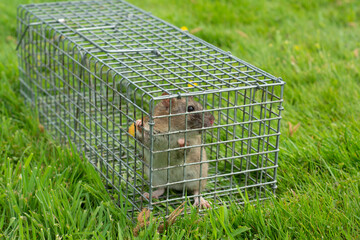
(93, 68)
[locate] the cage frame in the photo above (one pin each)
(27, 26)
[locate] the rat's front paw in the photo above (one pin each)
(181, 142)
(203, 204)
(155, 195)
(138, 125)
(145, 196)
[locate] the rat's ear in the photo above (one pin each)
(165, 102)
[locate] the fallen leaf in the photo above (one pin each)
(11, 39)
(41, 128)
(171, 219)
(242, 34)
(132, 129)
(352, 24)
(195, 30)
(339, 3)
(293, 129)
(144, 215)
(356, 52)
(142, 221)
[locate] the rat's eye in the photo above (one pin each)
(191, 108)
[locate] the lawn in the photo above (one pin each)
(49, 191)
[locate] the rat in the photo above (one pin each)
(196, 120)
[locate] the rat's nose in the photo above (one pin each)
(211, 119)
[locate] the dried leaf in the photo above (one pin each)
(339, 3)
(195, 30)
(141, 221)
(171, 219)
(293, 129)
(175, 213)
(144, 215)
(41, 128)
(356, 52)
(132, 129)
(296, 127)
(242, 34)
(11, 39)
(352, 24)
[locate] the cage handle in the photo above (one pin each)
(79, 30)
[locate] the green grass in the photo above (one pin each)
(48, 191)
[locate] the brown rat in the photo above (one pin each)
(178, 125)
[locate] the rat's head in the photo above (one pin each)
(196, 118)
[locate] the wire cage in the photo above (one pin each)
(161, 114)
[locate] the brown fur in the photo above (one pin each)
(195, 120)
